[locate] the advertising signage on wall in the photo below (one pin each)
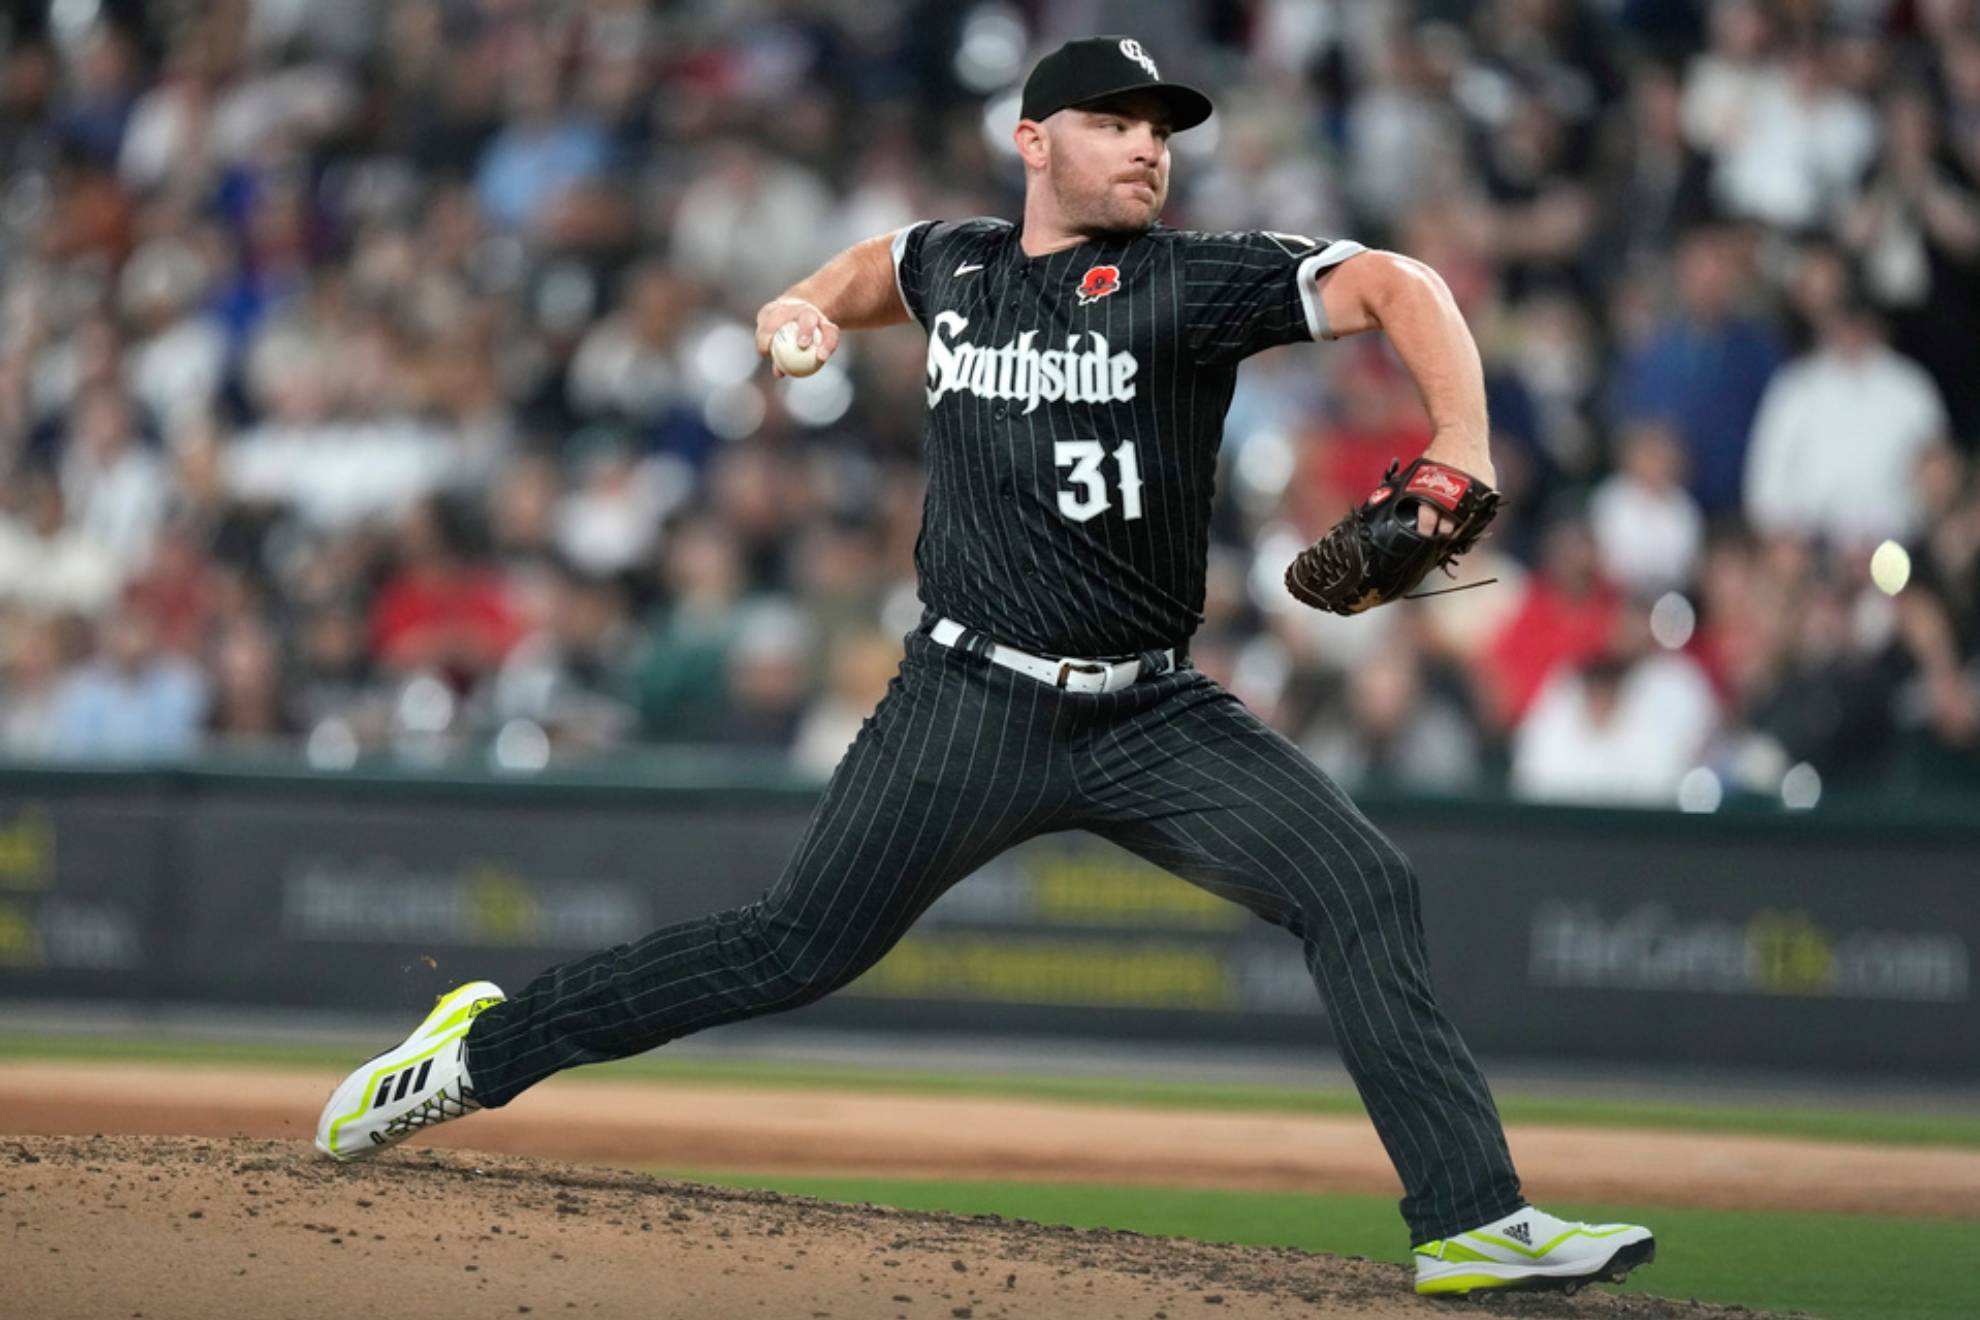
(1779, 952)
(1072, 922)
(480, 903)
(78, 883)
(380, 904)
(1711, 943)
(1701, 942)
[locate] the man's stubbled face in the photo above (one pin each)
(1108, 164)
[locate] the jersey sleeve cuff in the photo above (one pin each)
(1307, 277)
(900, 250)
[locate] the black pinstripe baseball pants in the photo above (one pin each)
(964, 759)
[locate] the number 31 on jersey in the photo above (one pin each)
(1090, 496)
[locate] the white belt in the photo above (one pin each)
(1071, 674)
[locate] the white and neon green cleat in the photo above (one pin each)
(414, 1085)
(1530, 1249)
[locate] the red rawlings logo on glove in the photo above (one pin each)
(1440, 485)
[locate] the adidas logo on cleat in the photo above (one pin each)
(412, 1079)
(1520, 1234)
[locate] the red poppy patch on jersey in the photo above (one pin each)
(1098, 283)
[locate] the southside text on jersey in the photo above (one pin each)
(1016, 370)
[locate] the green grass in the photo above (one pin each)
(1818, 1123)
(1840, 1267)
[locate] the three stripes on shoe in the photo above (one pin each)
(443, 1104)
(407, 1080)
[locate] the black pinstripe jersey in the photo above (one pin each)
(1075, 408)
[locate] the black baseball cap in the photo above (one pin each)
(1095, 67)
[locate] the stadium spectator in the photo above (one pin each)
(1914, 230)
(769, 677)
(102, 90)
(1726, 81)
(1796, 145)
(751, 224)
(1621, 727)
(1829, 701)
(857, 670)
(1396, 731)
(1647, 526)
(1706, 366)
(247, 706)
(178, 355)
(1403, 137)
(131, 702)
(566, 675)
(47, 561)
(1565, 618)
(32, 663)
(1655, 185)
(116, 490)
(543, 151)
(332, 678)
(1840, 435)
(169, 138)
(441, 609)
(607, 521)
(178, 589)
(680, 669)
(1948, 558)
(627, 368)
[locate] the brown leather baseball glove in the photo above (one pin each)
(1375, 554)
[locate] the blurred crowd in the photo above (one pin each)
(376, 378)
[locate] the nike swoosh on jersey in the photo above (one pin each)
(967, 267)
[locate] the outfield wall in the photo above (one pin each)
(1824, 942)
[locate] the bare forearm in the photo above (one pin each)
(1410, 303)
(856, 289)
(1424, 324)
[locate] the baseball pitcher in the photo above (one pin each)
(1080, 362)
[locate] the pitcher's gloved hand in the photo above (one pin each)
(1376, 553)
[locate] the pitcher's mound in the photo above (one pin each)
(178, 1228)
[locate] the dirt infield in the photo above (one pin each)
(160, 1228)
(208, 1202)
(752, 1130)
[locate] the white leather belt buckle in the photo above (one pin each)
(1071, 675)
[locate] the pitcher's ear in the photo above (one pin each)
(1031, 144)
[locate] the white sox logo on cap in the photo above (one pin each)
(1092, 68)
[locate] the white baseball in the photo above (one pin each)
(792, 360)
(1890, 568)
